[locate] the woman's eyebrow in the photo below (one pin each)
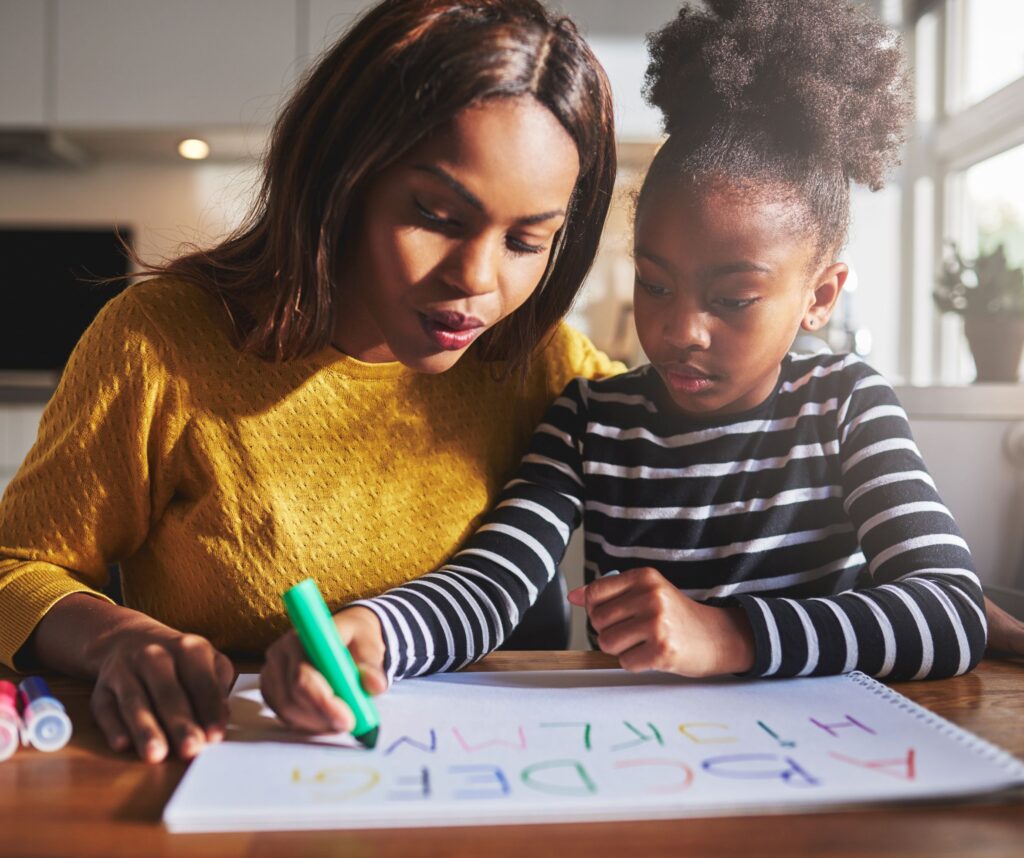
(474, 200)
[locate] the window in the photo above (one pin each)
(964, 175)
(991, 205)
(992, 44)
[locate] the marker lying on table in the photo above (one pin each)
(10, 723)
(315, 625)
(46, 723)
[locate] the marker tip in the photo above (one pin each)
(369, 738)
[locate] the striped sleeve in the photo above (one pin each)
(922, 615)
(456, 615)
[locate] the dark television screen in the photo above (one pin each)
(49, 293)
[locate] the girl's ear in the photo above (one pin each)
(826, 293)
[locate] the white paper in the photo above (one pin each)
(557, 746)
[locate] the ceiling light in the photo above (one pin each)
(194, 149)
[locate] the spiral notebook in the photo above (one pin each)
(565, 746)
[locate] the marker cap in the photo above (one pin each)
(8, 696)
(46, 723)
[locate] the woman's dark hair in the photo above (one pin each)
(403, 70)
(798, 96)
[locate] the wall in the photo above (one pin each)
(165, 204)
(972, 439)
(982, 489)
(873, 250)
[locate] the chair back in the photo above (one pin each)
(546, 624)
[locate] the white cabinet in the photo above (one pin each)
(158, 64)
(23, 74)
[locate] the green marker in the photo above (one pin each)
(323, 645)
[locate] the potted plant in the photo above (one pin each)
(990, 297)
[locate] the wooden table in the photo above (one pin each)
(86, 800)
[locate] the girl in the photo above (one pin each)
(769, 513)
(386, 320)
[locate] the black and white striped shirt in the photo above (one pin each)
(813, 511)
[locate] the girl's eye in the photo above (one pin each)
(735, 303)
(433, 217)
(652, 289)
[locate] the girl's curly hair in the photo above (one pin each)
(803, 95)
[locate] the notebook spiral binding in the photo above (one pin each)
(1004, 760)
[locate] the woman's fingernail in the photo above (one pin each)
(156, 750)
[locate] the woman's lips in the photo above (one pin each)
(688, 379)
(451, 331)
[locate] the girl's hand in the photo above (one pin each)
(156, 688)
(650, 625)
(298, 692)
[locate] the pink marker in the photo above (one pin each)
(10, 723)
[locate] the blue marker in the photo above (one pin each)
(46, 723)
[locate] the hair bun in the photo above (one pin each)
(821, 78)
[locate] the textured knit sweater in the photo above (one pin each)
(813, 511)
(217, 479)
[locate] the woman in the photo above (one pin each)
(339, 389)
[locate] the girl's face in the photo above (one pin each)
(723, 284)
(457, 235)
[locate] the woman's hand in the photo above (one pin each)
(650, 625)
(298, 692)
(156, 688)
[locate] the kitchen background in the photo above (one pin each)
(97, 95)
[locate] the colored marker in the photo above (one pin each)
(312, 620)
(46, 723)
(10, 723)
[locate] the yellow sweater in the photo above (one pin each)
(218, 480)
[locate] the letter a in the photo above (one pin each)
(903, 768)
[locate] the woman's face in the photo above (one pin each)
(723, 284)
(456, 236)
